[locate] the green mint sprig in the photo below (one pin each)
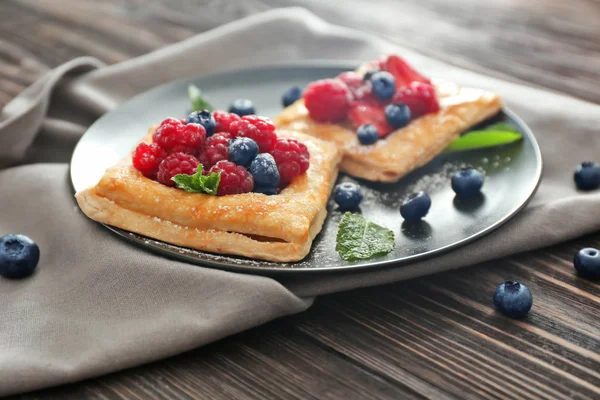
(359, 239)
(494, 135)
(198, 102)
(198, 183)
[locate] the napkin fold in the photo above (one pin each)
(97, 304)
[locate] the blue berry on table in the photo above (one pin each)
(291, 95)
(347, 195)
(384, 85)
(587, 263)
(264, 170)
(242, 151)
(397, 115)
(415, 207)
(19, 256)
(513, 299)
(204, 118)
(242, 107)
(367, 134)
(467, 182)
(587, 175)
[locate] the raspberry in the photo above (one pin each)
(224, 120)
(259, 129)
(216, 148)
(354, 82)
(419, 97)
(292, 159)
(234, 178)
(147, 157)
(177, 137)
(327, 100)
(176, 163)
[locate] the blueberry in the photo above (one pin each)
(587, 175)
(367, 134)
(264, 170)
(242, 107)
(19, 255)
(347, 195)
(397, 115)
(513, 299)
(384, 85)
(467, 182)
(291, 95)
(242, 151)
(415, 207)
(204, 118)
(268, 190)
(587, 263)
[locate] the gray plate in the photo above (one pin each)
(513, 173)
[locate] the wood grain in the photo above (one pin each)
(436, 337)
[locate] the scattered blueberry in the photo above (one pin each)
(19, 255)
(370, 73)
(384, 85)
(397, 115)
(415, 207)
(587, 175)
(204, 118)
(242, 107)
(367, 134)
(587, 263)
(242, 151)
(291, 95)
(513, 299)
(347, 195)
(264, 170)
(467, 182)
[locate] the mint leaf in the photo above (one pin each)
(482, 139)
(198, 183)
(358, 238)
(198, 102)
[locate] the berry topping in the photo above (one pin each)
(176, 163)
(242, 107)
(242, 151)
(204, 118)
(467, 182)
(19, 256)
(175, 136)
(513, 299)
(146, 158)
(419, 97)
(354, 81)
(235, 179)
(415, 207)
(587, 263)
(292, 158)
(268, 190)
(397, 115)
(327, 100)
(291, 95)
(370, 72)
(403, 72)
(367, 134)
(259, 129)
(265, 172)
(384, 85)
(347, 195)
(216, 148)
(224, 120)
(587, 176)
(369, 113)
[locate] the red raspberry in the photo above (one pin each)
(177, 137)
(146, 158)
(292, 159)
(235, 179)
(224, 120)
(327, 100)
(370, 113)
(354, 81)
(176, 163)
(216, 148)
(421, 98)
(403, 72)
(259, 129)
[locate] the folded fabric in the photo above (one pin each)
(97, 304)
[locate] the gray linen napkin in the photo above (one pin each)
(98, 305)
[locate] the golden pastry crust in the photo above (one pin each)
(276, 228)
(405, 149)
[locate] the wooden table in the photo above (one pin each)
(436, 337)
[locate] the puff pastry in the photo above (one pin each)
(405, 149)
(276, 228)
